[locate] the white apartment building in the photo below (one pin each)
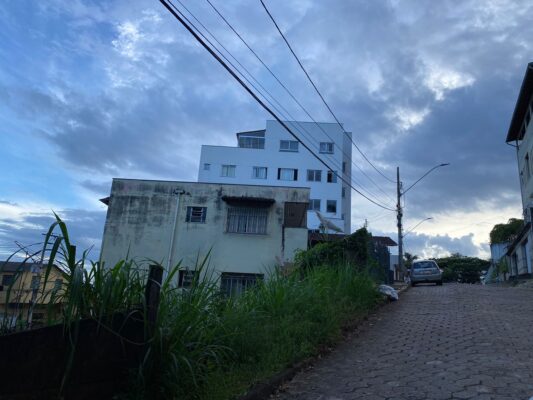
(272, 157)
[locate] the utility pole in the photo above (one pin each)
(399, 216)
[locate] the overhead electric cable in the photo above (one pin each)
(305, 132)
(247, 80)
(181, 18)
(320, 94)
(295, 99)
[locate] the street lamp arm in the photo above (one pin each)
(423, 176)
(413, 228)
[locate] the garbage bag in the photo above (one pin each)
(388, 291)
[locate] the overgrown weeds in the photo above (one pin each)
(205, 345)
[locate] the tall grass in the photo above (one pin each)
(205, 345)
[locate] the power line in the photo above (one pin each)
(294, 98)
(307, 134)
(320, 94)
(180, 17)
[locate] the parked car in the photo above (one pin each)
(425, 271)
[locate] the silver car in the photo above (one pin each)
(425, 271)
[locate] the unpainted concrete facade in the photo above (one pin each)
(147, 221)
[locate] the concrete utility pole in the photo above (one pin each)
(399, 211)
(399, 216)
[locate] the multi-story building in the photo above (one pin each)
(25, 297)
(272, 157)
(521, 135)
(245, 230)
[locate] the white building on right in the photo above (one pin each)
(520, 134)
(272, 157)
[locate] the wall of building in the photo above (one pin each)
(526, 173)
(272, 158)
(142, 223)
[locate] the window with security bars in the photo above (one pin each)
(248, 142)
(196, 214)
(35, 281)
(326, 147)
(234, 284)
(247, 220)
(186, 277)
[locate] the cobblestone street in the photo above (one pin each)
(449, 342)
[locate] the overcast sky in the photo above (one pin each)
(94, 90)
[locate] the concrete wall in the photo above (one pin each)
(272, 158)
(141, 224)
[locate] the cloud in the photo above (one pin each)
(29, 227)
(120, 89)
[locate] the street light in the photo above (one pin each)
(413, 228)
(399, 210)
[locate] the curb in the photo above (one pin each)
(264, 390)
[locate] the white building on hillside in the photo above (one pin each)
(245, 230)
(272, 157)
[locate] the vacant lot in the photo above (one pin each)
(449, 342)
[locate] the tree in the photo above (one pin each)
(502, 233)
(458, 267)
(408, 259)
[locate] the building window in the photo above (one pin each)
(287, 174)
(186, 277)
(326, 147)
(247, 220)
(343, 192)
(332, 176)
(207, 166)
(196, 214)
(252, 139)
(58, 284)
(343, 167)
(248, 142)
(288, 145)
(7, 280)
(295, 215)
(314, 205)
(314, 175)
(259, 173)
(228, 171)
(234, 284)
(35, 281)
(331, 206)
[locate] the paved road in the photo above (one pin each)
(448, 342)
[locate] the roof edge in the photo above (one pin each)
(522, 103)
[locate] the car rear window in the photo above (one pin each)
(424, 265)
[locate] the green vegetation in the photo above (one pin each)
(206, 345)
(466, 269)
(356, 250)
(502, 233)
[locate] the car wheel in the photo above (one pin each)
(439, 283)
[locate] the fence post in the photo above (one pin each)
(153, 288)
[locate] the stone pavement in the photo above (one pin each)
(437, 342)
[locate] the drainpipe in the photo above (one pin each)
(178, 193)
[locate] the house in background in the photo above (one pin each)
(247, 230)
(272, 157)
(23, 284)
(520, 135)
